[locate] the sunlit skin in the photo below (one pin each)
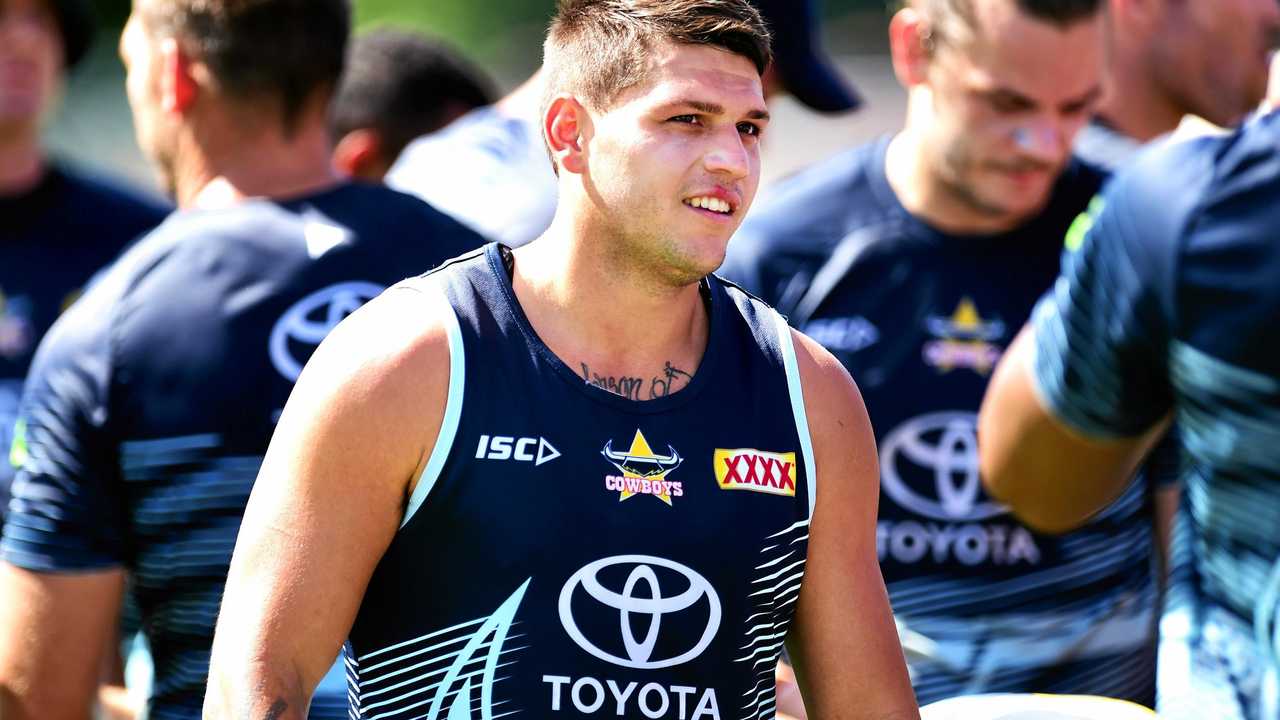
(1213, 56)
(692, 129)
(156, 133)
(993, 116)
(31, 68)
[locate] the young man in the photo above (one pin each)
(913, 259)
(150, 403)
(57, 227)
(584, 477)
(1167, 310)
(1167, 59)
(497, 152)
(398, 85)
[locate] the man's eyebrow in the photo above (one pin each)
(1094, 93)
(709, 108)
(1009, 96)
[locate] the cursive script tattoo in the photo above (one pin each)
(666, 382)
(672, 379)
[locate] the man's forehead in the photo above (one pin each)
(1012, 50)
(678, 71)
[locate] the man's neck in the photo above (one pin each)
(265, 164)
(22, 165)
(608, 321)
(929, 199)
(1135, 106)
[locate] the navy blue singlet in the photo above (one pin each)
(573, 553)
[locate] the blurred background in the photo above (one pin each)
(92, 127)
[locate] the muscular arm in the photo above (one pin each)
(53, 630)
(353, 438)
(1052, 477)
(844, 645)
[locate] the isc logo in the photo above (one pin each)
(502, 447)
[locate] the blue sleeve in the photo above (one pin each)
(65, 512)
(1102, 331)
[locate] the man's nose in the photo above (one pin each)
(1041, 139)
(728, 155)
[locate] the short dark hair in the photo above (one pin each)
(286, 50)
(954, 20)
(403, 84)
(599, 48)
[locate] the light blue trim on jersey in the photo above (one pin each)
(797, 405)
(452, 415)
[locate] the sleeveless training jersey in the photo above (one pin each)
(573, 553)
(151, 402)
(920, 318)
(1171, 304)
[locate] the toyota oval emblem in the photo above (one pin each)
(945, 446)
(302, 327)
(649, 602)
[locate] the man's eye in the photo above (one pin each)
(747, 128)
(686, 119)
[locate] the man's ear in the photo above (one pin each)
(566, 126)
(178, 86)
(359, 155)
(910, 47)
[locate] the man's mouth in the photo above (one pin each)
(711, 204)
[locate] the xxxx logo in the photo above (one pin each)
(756, 470)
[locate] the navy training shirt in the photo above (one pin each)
(920, 317)
(574, 553)
(53, 238)
(151, 402)
(1170, 304)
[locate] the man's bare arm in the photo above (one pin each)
(53, 629)
(353, 439)
(844, 645)
(1052, 477)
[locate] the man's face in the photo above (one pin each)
(1006, 106)
(155, 131)
(689, 135)
(31, 63)
(1212, 57)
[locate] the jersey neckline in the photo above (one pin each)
(707, 368)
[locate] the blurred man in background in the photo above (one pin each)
(490, 169)
(1167, 310)
(150, 403)
(398, 85)
(913, 259)
(57, 227)
(1167, 59)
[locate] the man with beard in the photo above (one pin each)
(913, 259)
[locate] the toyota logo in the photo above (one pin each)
(945, 446)
(649, 602)
(303, 326)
